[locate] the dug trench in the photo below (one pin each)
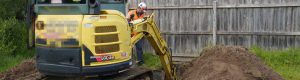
(217, 63)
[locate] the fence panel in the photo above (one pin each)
(187, 24)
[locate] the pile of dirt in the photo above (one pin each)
(228, 63)
(24, 71)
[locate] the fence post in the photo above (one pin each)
(215, 23)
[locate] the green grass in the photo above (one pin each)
(9, 61)
(152, 61)
(285, 62)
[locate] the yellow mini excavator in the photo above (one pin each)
(91, 37)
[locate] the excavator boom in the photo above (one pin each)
(147, 28)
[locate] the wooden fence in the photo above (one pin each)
(190, 25)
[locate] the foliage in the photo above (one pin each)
(12, 36)
(12, 43)
(12, 8)
(285, 62)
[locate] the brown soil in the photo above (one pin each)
(228, 63)
(24, 71)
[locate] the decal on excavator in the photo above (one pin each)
(102, 58)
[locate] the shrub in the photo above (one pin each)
(12, 36)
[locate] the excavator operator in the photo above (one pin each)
(132, 15)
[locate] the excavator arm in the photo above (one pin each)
(147, 28)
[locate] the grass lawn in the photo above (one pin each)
(152, 61)
(285, 62)
(9, 61)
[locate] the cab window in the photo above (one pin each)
(112, 1)
(61, 1)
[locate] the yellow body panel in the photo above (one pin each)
(107, 18)
(57, 29)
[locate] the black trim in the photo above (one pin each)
(70, 42)
(54, 61)
(87, 56)
(60, 56)
(58, 70)
(62, 70)
(41, 41)
(106, 69)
